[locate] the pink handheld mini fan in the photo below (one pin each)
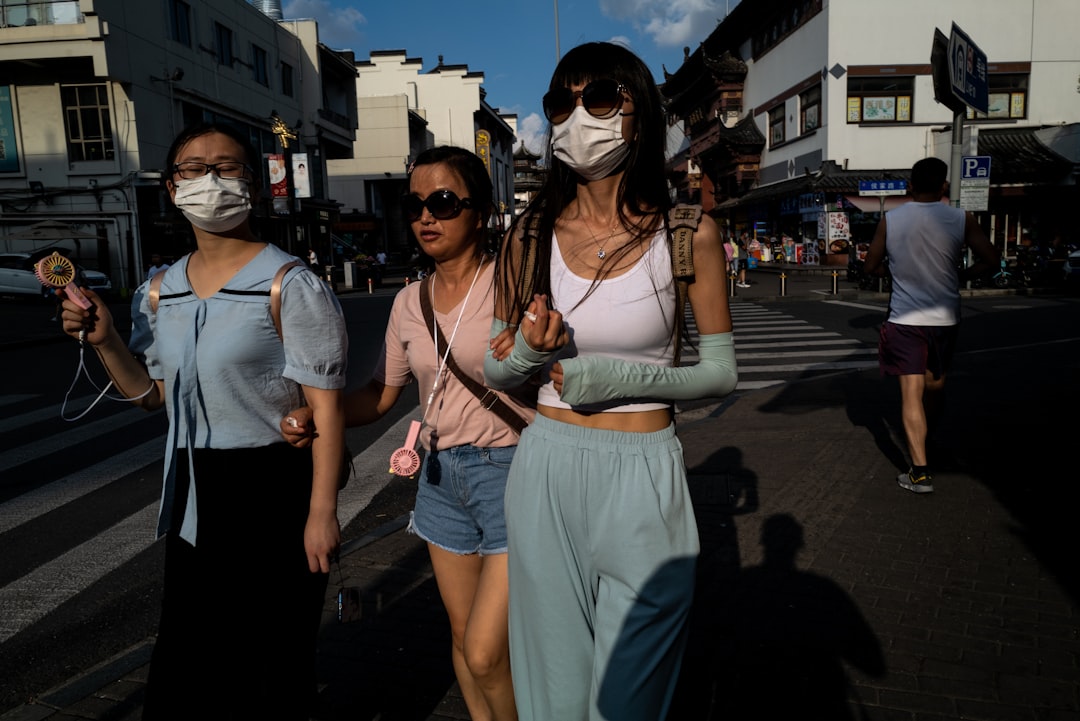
(59, 272)
(405, 461)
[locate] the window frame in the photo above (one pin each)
(72, 100)
(180, 22)
(809, 102)
(777, 116)
(880, 105)
(223, 44)
(287, 78)
(1010, 89)
(260, 65)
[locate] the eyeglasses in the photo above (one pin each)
(442, 204)
(601, 98)
(189, 170)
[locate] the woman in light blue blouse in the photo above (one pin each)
(250, 522)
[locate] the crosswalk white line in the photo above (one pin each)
(800, 344)
(33, 596)
(803, 367)
(806, 354)
(28, 506)
(73, 433)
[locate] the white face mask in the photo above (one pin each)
(594, 148)
(213, 204)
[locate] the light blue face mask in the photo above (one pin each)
(593, 147)
(214, 204)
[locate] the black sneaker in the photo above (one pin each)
(916, 483)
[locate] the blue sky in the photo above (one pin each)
(513, 42)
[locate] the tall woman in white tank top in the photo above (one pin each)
(602, 537)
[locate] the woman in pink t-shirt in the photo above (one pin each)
(468, 441)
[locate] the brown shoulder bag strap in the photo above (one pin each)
(488, 398)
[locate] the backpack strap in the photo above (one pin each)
(154, 291)
(683, 221)
(275, 292)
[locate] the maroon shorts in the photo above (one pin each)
(915, 349)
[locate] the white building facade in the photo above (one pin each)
(401, 111)
(831, 92)
(92, 93)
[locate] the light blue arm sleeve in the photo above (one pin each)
(594, 379)
(518, 367)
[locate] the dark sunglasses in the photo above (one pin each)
(442, 204)
(601, 98)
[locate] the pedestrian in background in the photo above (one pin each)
(603, 539)
(460, 491)
(250, 522)
(921, 245)
(743, 258)
(156, 266)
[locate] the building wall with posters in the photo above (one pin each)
(93, 92)
(842, 90)
(403, 110)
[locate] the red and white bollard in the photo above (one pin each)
(369, 286)
(406, 280)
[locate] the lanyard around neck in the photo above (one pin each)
(441, 363)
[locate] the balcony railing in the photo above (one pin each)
(22, 13)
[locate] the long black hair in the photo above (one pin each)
(642, 196)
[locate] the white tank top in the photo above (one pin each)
(924, 242)
(630, 316)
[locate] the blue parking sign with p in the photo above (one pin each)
(975, 167)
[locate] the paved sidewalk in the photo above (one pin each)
(825, 591)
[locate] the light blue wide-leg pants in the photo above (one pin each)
(602, 549)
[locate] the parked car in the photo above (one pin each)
(1071, 270)
(17, 277)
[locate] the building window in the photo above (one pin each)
(223, 44)
(86, 114)
(17, 13)
(810, 110)
(180, 14)
(879, 99)
(286, 80)
(776, 125)
(258, 62)
(1008, 98)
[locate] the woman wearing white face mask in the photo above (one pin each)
(208, 350)
(602, 536)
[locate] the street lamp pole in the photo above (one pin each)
(558, 54)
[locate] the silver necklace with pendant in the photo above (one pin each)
(600, 252)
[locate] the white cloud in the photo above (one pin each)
(670, 23)
(532, 130)
(339, 28)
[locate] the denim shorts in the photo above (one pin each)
(459, 499)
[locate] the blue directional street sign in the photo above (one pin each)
(882, 187)
(967, 70)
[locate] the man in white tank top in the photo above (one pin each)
(923, 242)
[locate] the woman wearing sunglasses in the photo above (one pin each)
(459, 498)
(238, 626)
(603, 540)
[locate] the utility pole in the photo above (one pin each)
(558, 55)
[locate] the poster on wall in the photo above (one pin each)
(9, 149)
(300, 179)
(279, 184)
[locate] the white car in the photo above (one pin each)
(17, 277)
